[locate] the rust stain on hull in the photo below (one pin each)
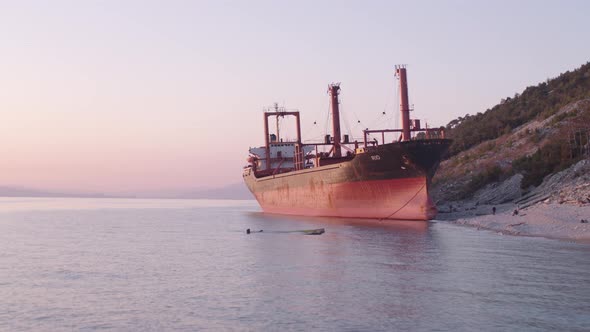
(405, 199)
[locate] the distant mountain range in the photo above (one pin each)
(233, 191)
(6, 191)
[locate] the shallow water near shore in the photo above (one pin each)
(151, 265)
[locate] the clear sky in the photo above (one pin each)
(130, 96)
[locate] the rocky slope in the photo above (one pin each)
(558, 208)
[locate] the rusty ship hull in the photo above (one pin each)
(388, 181)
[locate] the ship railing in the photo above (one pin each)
(349, 147)
(418, 134)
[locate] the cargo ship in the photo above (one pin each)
(376, 178)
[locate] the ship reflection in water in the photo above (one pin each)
(135, 265)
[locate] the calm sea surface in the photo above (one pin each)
(182, 265)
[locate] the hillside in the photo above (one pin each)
(534, 103)
(511, 148)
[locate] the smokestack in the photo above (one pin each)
(400, 73)
(334, 90)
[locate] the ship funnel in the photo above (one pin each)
(400, 73)
(334, 90)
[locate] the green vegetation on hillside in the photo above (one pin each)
(552, 157)
(539, 101)
(548, 159)
(489, 175)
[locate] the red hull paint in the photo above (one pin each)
(402, 199)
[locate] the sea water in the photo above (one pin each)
(187, 265)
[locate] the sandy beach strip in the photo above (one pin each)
(558, 221)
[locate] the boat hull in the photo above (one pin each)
(389, 182)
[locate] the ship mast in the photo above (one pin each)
(277, 111)
(334, 90)
(400, 73)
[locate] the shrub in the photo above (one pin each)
(549, 159)
(489, 175)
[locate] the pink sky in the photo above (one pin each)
(134, 96)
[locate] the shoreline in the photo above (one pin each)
(554, 221)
